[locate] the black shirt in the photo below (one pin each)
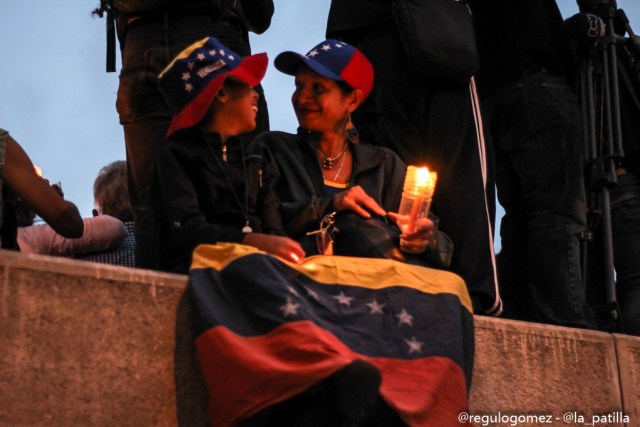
(519, 36)
(348, 15)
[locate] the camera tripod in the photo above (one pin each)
(599, 30)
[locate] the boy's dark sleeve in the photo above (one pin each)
(301, 209)
(268, 206)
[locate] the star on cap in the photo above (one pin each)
(415, 346)
(188, 87)
(186, 76)
(190, 65)
(338, 45)
(312, 53)
(201, 56)
(343, 299)
(221, 52)
(404, 317)
(326, 47)
(231, 57)
(213, 52)
(290, 308)
(376, 308)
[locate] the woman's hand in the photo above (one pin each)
(358, 201)
(281, 246)
(423, 236)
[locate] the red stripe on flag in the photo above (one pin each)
(245, 375)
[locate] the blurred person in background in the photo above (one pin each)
(111, 200)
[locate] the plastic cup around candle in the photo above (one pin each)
(417, 193)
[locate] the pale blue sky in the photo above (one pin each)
(59, 103)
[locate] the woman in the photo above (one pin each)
(208, 188)
(322, 169)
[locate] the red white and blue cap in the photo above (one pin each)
(192, 80)
(333, 59)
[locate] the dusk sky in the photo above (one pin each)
(59, 103)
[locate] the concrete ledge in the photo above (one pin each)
(526, 368)
(92, 345)
(86, 344)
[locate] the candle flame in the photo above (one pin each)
(422, 177)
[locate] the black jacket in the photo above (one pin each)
(300, 187)
(200, 198)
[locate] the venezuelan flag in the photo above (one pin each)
(268, 330)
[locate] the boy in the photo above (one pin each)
(208, 187)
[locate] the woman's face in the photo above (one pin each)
(319, 103)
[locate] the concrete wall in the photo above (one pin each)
(85, 344)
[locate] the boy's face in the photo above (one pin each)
(240, 108)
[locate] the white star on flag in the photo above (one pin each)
(186, 76)
(376, 308)
(293, 290)
(404, 317)
(343, 299)
(312, 53)
(415, 346)
(201, 56)
(325, 47)
(290, 308)
(188, 87)
(313, 294)
(190, 65)
(212, 52)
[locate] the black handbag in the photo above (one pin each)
(438, 37)
(373, 237)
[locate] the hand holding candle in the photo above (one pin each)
(417, 193)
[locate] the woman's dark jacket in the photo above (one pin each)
(200, 198)
(300, 185)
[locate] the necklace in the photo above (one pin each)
(329, 162)
(245, 210)
(337, 175)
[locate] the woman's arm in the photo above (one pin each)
(100, 233)
(19, 174)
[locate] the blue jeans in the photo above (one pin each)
(148, 45)
(536, 131)
(625, 224)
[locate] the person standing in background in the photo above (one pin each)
(534, 120)
(151, 33)
(432, 121)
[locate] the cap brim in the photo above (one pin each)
(289, 62)
(251, 71)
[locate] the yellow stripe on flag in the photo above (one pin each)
(373, 273)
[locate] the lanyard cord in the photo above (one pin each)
(245, 211)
